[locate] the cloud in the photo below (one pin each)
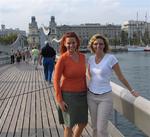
(17, 13)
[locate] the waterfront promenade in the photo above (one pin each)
(27, 105)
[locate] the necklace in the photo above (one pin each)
(98, 59)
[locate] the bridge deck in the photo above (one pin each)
(27, 105)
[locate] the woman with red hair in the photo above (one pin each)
(70, 86)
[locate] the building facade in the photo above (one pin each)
(4, 31)
(33, 36)
(85, 31)
(137, 30)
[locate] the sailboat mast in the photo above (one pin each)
(137, 25)
(146, 28)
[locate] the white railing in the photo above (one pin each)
(136, 110)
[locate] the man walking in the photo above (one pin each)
(48, 54)
(12, 56)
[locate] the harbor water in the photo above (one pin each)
(136, 68)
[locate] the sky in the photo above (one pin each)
(18, 13)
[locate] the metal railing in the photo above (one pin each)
(4, 59)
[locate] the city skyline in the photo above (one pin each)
(17, 13)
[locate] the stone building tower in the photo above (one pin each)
(52, 28)
(33, 36)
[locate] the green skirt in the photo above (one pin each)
(77, 111)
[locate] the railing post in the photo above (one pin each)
(115, 117)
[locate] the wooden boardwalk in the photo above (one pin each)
(27, 105)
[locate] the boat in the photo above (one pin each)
(84, 50)
(135, 48)
(147, 48)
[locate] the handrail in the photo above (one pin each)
(5, 59)
(136, 110)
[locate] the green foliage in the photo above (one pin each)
(8, 39)
(124, 38)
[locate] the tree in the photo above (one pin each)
(8, 39)
(124, 37)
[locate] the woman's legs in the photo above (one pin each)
(104, 110)
(100, 107)
(78, 130)
(68, 132)
(93, 106)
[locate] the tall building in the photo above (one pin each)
(85, 31)
(33, 36)
(5, 31)
(52, 28)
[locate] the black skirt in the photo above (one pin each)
(77, 111)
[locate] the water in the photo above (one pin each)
(136, 68)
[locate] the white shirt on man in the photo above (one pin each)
(101, 73)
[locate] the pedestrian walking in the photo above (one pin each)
(12, 56)
(35, 56)
(48, 55)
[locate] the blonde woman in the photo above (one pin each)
(100, 67)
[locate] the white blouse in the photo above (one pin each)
(101, 73)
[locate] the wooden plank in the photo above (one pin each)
(26, 120)
(38, 115)
(45, 120)
(21, 108)
(54, 111)
(50, 115)
(5, 83)
(4, 116)
(5, 103)
(8, 118)
(33, 113)
(13, 123)
(21, 117)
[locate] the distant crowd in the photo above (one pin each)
(24, 55)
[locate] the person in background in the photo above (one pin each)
(23, 55)
(35, 56)
(18, 56)
(48, 54)
(70, 86)
(27, 55)
(12, 56)
(100, 68)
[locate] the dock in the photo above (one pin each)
(27, 104)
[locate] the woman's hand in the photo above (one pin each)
(135, 93)
(63, 106)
